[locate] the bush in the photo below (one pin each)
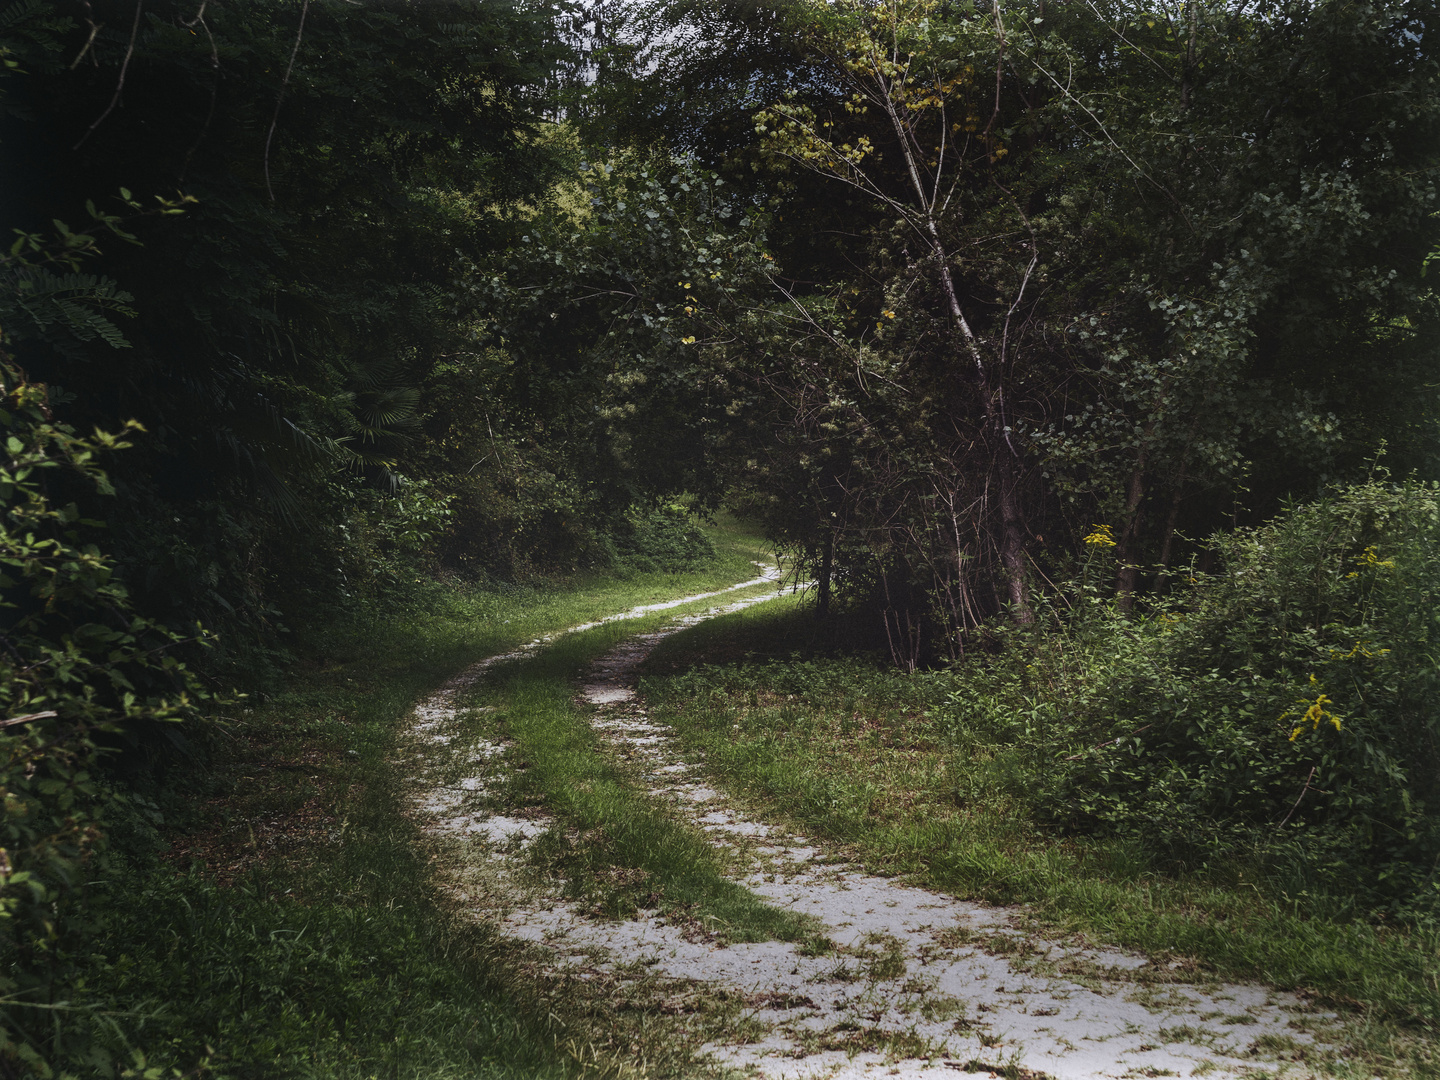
(665, 538)
(78, 671)
(1287, 706)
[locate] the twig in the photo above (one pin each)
(299, 32)
(1303, 790)
(120, 83)
(214, 88)
(1065, 90)
(1058, 591)
(27, 718)
(999, 72)
(89, 41)
(1107, 742)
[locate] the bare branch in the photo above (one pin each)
(214, 89)
(89, 40)
(299, 33)
(120, 83)
(1303, 790)
(27, 718)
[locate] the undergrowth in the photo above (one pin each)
(1285, 709)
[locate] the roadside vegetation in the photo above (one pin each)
(1083, 357)
(271, 911)
(1025, 775)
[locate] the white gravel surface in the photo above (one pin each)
(938, 984)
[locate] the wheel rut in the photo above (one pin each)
(901, 981)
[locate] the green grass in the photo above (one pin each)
(289, 925)
(296, 929)
(856, 753)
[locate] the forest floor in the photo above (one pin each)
(706, 936)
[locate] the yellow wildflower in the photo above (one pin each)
(1315, 712)
(1101, 537)
(1369, 560)
(1362, 648)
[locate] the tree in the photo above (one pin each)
(1176, 289)
(922, 94)
(339, 155)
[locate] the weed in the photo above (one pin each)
(955, 937)
(853, 1039)
(817, 945)
(1275, 1045)
(939, 1007)
(842, 972)
(1159, 1000)
(1009, 1070)
(1187, 1033)
(882, 957)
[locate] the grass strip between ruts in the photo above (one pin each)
(618, 822)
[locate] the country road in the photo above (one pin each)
(907, 982)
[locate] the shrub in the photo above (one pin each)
(665, 538)
(77, 671)
(1288, 705)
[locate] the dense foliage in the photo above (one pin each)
(1282, 708)
(81, 675)
(1053, 341)
(299, 322)
(981, 279)
(1040, 267)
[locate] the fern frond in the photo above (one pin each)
(21, 12)
(88, 324)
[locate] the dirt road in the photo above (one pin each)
(900, 982)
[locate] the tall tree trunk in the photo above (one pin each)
(822, 588)
(1187, 65)
(1128, 576)
(1012, 545)
(1169, 534)
(1012, 548)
